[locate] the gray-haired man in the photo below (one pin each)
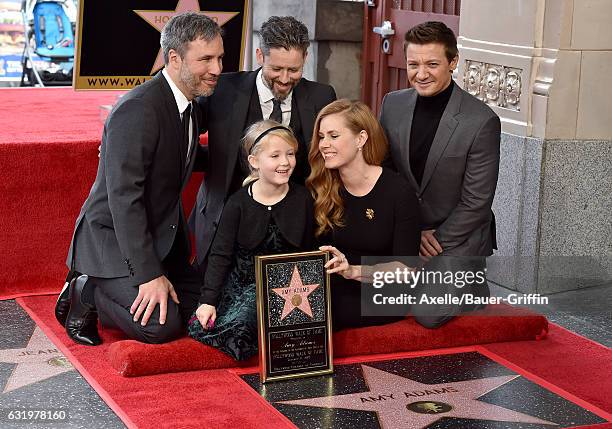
(130, 242)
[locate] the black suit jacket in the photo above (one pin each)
(133, 213)
(224, 116)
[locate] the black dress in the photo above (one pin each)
(385, 222)
(248, 229)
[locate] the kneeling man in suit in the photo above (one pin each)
(445, 142)
(129, 256)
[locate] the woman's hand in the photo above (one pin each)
(339, 264)
(206, 314)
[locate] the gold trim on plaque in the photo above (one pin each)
(247, 11)
(77, 43)
(262, 320)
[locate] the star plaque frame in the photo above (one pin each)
(293, 315)
(117, 42)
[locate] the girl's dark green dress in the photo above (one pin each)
(248, 229)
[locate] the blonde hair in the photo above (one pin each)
(252, 143)
(323, 183)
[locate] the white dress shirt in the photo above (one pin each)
(266, 97)
(181, 104)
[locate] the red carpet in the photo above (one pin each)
(131, 358)
(201, 398)
(48, 157)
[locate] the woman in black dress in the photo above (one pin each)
(361, 209)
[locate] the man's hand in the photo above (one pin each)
(429, 245)
(149, 295)
(206, 314)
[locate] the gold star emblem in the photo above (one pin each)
(429, 407)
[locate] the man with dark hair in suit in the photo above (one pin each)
(446, 144)
(276, 91)
(129, 256)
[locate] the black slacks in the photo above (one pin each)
(435, 315)
(114, 297)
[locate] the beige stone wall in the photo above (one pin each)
(581, 96)
(545, 66)
(502, 58)
(562, 51)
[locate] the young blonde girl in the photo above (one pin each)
(268, 215)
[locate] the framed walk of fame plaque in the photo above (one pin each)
(294, 316)
(118, 40)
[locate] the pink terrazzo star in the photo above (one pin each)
(296, 295)
(37, 361)
(159, 18)
(400, 402)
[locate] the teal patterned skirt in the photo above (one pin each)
(235, 330)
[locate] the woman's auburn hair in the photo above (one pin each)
(324, 183)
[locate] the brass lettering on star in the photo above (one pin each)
(161, 19)
(377, 398)
(417, 393)
(38, 352)
(413, 394)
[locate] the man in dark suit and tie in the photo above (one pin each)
(130, 250)
(445, 142)
(276, 91)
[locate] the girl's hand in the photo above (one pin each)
(206, 314)
(339, 264)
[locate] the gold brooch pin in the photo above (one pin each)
(369, 213)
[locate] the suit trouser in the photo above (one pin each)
(114, 297)
(436, 315)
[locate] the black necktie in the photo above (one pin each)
(185, 121)
(277, 114)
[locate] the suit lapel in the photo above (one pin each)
(445, 130)
(195, 140)
(404, 130)
(237, 122)
(305, 110)
(175, 118)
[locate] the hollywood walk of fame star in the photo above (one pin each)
(37, 361)
(159, 18)
(400, 402)
(296, 294)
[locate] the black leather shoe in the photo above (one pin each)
(62, 306)
(82, 320)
